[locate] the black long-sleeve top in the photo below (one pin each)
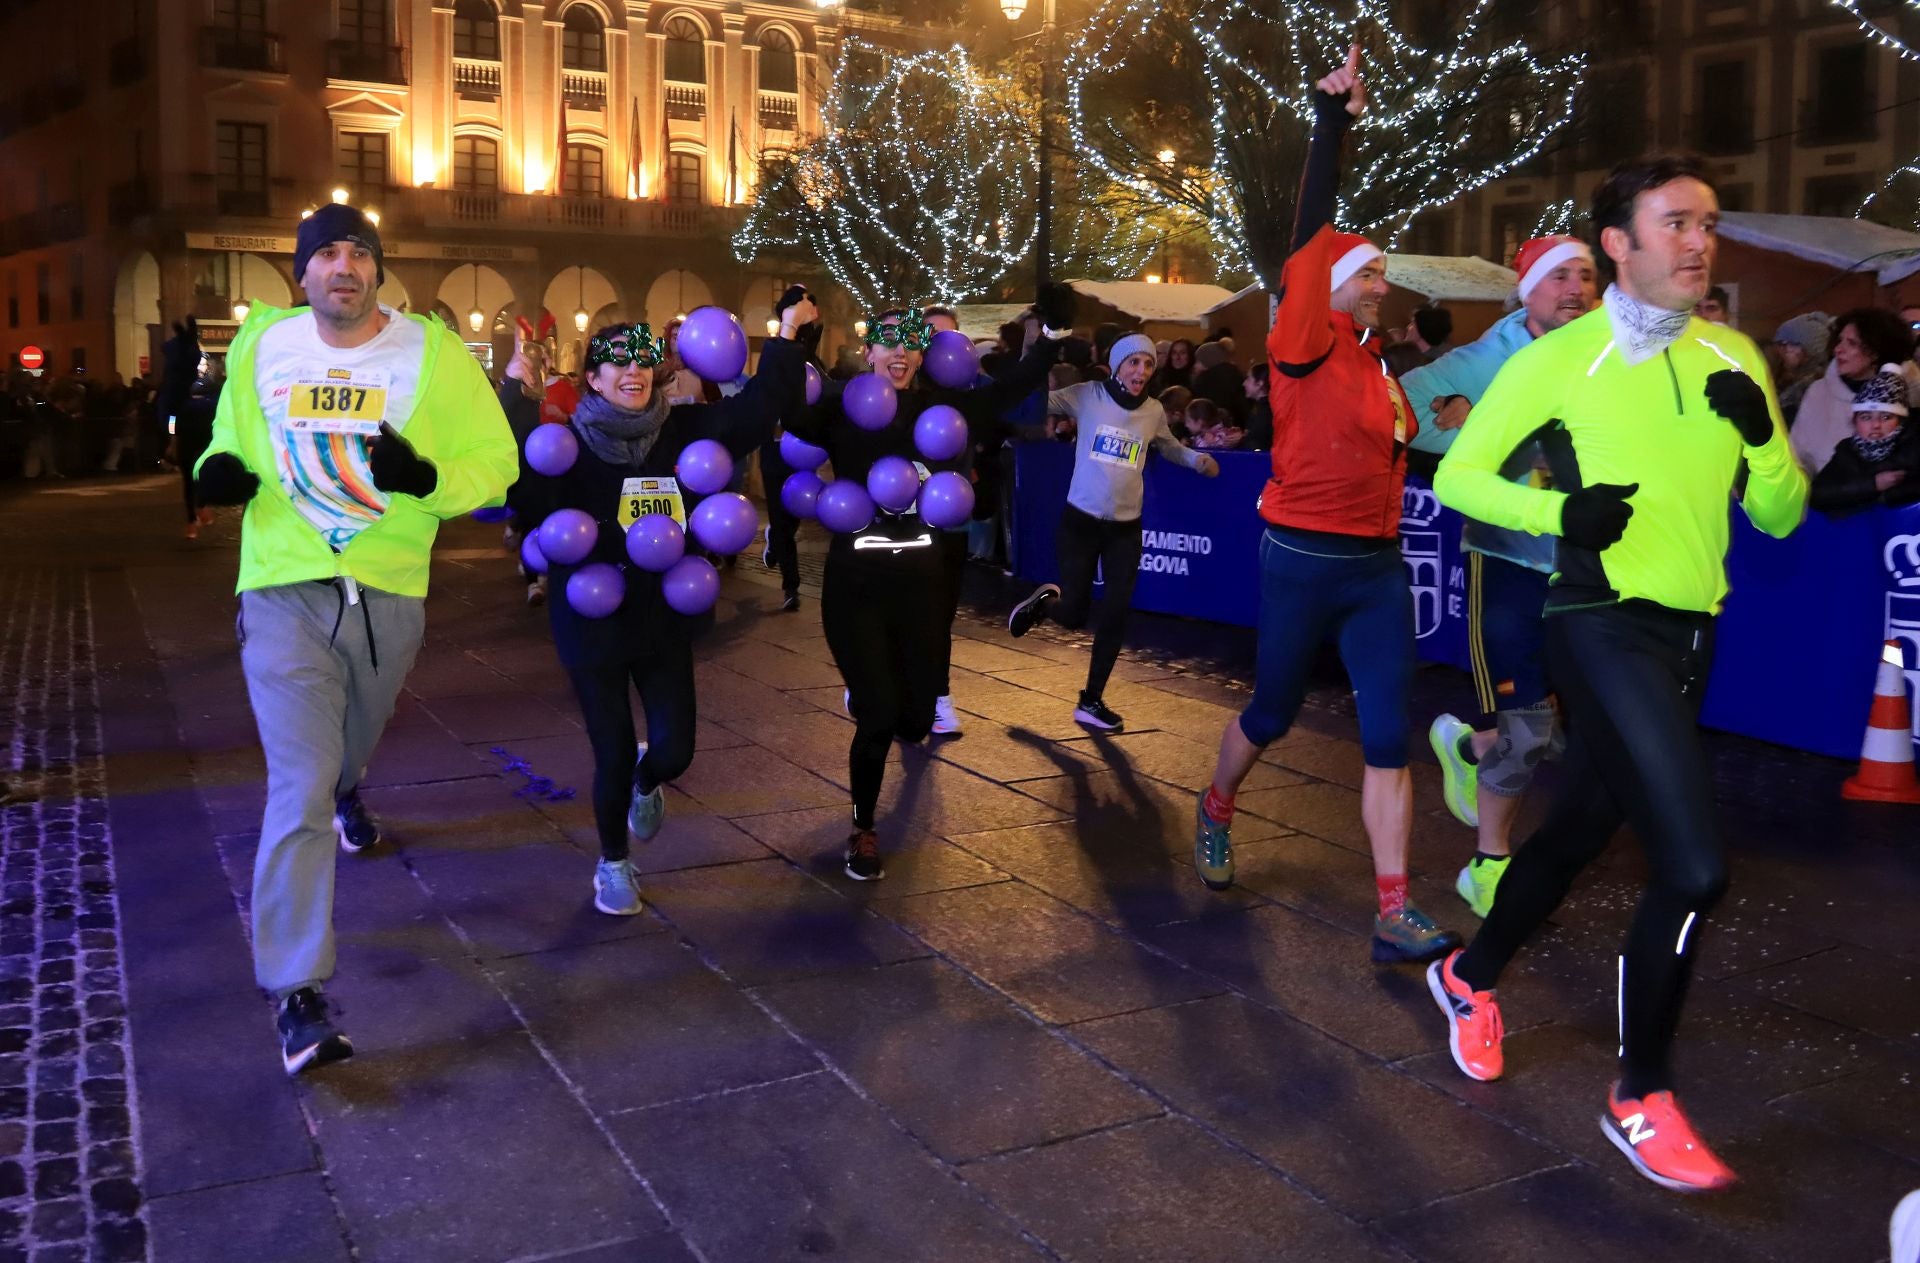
(1845, 484)
(740, 423)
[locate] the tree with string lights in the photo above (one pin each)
(919, 188)
(1226, 86)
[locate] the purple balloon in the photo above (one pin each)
(530, 555)
(492, 513)
(815, 384)
(552, 449)
(893, 482)
(724, 523)
(951, 360)
(704, 467)
(940, 433)
(869, 401)
(844, 506)
(692, 586)
(801, 454)
(713, 344)
(568, 535)
(595, 590)
(947, 500)
(655, 542)
(801, 493)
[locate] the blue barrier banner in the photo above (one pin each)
(1798, 644)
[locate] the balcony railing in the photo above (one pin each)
(687, 101)
(223, 48)
(127, 62)
(476, 80)
(1845, 121)
(585, 89)
(455, 208)
(779, 111)
(366, 63)
(248, 202)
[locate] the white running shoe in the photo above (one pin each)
(946, 722)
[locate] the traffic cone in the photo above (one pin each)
(1886, 756)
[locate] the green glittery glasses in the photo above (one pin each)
(621, 345)
(910, 330)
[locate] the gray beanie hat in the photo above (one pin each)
(1811, 332)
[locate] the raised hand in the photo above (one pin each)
(1346, 82)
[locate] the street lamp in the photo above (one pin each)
(340, 196)
(240, 310)
(1043, 248)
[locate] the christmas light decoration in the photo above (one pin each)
(1440, 121)
(919, 188)
(1896, 203)
(1558, 219)
(1881, 36)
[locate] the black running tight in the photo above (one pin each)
(781, 525)
(1085, 542)
(1630, 678)
(664, 678)
(952, 546)
(887, 630)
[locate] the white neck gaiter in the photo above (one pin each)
(1640, 330)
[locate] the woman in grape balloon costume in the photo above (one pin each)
(895, 442)
(609, 500)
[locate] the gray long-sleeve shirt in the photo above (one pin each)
(1110, 455)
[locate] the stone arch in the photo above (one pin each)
(572, 290)
(675, 293)
(137, 325)
(475, 287)
(393, 292)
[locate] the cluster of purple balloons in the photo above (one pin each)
(893, 483)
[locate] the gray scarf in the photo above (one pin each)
(1641, 330)
(620, 437)
(1873, 451)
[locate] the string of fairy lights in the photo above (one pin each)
(1424, 105)
(1911, 172)
(1875, 31)
(916, 189)
(1902, 191)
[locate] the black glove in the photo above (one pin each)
(807, 335)
(1595, 517)
(397, 467)
(1055, 306)
(1740, 400)
(180, 354)
(225, 479)
(793, 294)
(1330, 109)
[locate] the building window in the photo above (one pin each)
(476, 164)
(1722, 115)
(686, 52)
(1616, 115)
(476, 31)
(1842, 106)
(683, 178)
(583, 171)
(779, 65)
(77, 289)
(43, 295)
(583, 45)
(1511, 225)
(243, 17)
(363, 162)
(1837, 195)
(240, 167)
(364, 22)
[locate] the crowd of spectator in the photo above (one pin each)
(57, 426)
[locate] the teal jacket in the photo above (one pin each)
(456, 423)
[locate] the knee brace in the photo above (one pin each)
(1524, 737)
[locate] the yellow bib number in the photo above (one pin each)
(338, 402)
(641, 496)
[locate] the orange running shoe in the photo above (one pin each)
(1474, 1030)
(1661, 1143)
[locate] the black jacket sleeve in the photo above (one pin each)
(985, 407)
(1321, 181)
(742, 422)
(1844, 484)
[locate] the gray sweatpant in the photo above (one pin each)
(320, 703)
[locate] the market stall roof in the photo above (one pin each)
(1175, 303)
(1849, 245)
(1441, 278)
(983, 320)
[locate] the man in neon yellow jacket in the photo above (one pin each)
(349, 431)
(1645, 414)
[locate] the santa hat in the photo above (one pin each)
(1351, 252)
(1538, 257)
(1885, 391)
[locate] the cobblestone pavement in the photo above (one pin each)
(1039, 1038)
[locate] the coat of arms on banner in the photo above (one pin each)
(1420, 548)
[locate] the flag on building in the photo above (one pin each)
(666, 149)
(633, 151)
(559, 182)
(733, 153)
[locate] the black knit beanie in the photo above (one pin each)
(336, 222)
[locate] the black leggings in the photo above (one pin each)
(1085, 541)
(886, 633)
(1630, 678)
(952, 546)
(781, 524)
(190, 443)
(665, 681)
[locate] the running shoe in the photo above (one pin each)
(1410, 934)
(1478, 880)
(205, 516)
(192, 531)
(616, 888)
(1474, 1029)
(863, 856)
(308, 1036)
(946, 722)
(1661, 1143)
(790, 602)
(537, 593)
(1459, 779)
(1092, 712)
(1903, 1233)
(646, 812)
(354, 825)
(1033, 609)
(1212, 848)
